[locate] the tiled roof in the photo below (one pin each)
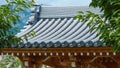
(67, 11)
(57, 28)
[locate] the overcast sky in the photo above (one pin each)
(59, 2)
(64, 2)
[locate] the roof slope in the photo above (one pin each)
(56, 27)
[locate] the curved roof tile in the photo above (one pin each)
(57, 27)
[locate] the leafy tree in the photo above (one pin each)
(10, 61)
(106, 24)
(8, 19)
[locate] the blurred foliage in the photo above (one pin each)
(8, 19)
(30, 34)
(107, 24)
(10, 61)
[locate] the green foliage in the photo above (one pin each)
(107, 24)
(31, 34)
(8, 18)
(11, 62)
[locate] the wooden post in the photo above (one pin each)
(84, 61)
(38, 63)
(31, 62)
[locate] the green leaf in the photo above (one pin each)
(8, 18)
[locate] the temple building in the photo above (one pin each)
(61, 41)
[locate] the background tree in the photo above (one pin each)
(8, 19)
(106, 24)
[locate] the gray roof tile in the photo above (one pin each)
(55, 30)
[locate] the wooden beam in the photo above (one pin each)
(53, 50)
